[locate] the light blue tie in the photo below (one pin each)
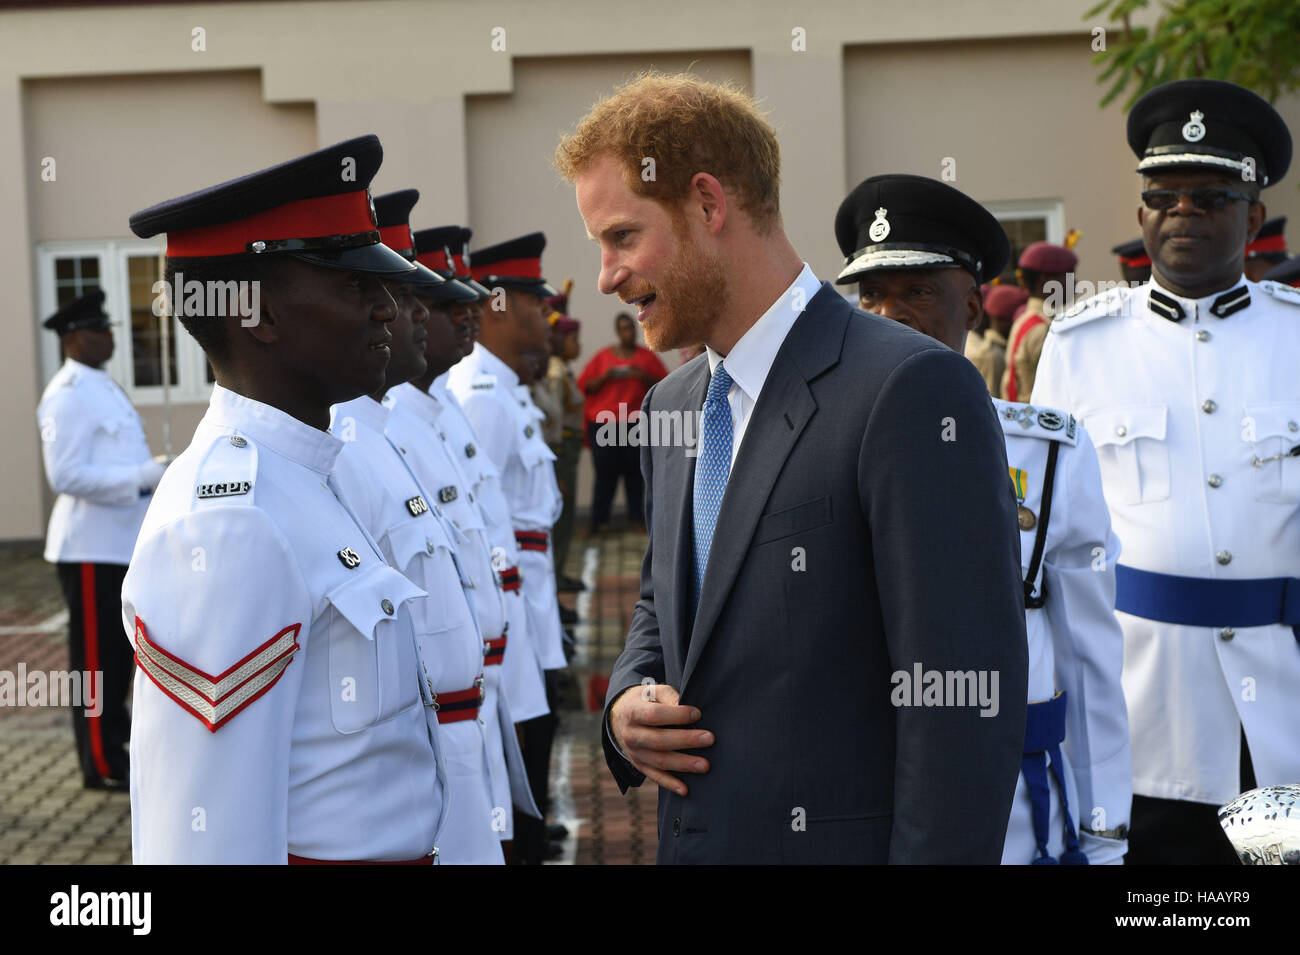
(712, 468)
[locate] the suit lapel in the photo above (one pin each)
(778, 418)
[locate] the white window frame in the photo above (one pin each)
(191, 386)
(1015, 210)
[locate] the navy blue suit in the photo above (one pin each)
(869, 524)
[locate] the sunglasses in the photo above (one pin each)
(1206, 198)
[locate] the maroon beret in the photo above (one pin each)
(1045, 257)
(1001, 301)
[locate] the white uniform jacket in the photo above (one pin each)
(279, 706)
(509, 428)
(98, 463)
(394, 506)
(1075, 644)
(1194, 406)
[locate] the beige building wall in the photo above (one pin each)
(469, 97)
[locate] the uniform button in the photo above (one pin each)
(1214, 480)
(1121, 431)
(1292, 426)
(387, 606)
(237, 441)
(1202, 336)
(428, 545)
(1224, 557)
(1208, 406)
(1227, 633)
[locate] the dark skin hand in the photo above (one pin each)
(645, 721)
(942, 303)
(1195, 253)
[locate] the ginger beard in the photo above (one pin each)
(689, 299)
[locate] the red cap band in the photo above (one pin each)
(398, 238)
(344, 214)
(436, 260)
(1135, 261)
(510, 268)
(1269, 243)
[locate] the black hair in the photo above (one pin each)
(212, 332)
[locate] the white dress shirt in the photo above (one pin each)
(751, 358)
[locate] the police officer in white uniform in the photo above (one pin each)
(419, 538)
(98, 463)
(1188, 386)
(280, 710)
(918, 249)
(491, 384)
(428, 422)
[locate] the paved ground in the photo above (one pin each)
(46, 816)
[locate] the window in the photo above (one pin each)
(1026, 223)
(126, 271)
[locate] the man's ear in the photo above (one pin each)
(974, 303)
(1255, 217)
(706, 200)
(266, 330)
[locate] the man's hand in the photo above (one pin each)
(644, 720)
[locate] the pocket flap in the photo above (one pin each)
(1281, 420)
(793, 520)
(1119, 426)
(372, 596)
(422, 535)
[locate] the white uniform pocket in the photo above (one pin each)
(374, 672)
(1132, 452)
(1270, 432)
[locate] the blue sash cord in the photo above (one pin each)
(1044, 732)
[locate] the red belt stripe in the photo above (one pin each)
(460, 705)
(496, 651)
(510, 579)
(531, 540)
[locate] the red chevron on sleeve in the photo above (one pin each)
(215, 700)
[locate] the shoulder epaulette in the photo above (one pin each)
(1112, 302)
(1281, 291)
(1033, 421)
(228, 472)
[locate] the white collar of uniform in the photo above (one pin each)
(274, 429)
(83, 369)
(423, 404)
(751, 358)
(366, 410)
(1196, 306)
(490, 364)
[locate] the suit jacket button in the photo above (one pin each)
(677, 826)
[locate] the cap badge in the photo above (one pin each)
(374, 216)
(879, 227)
(1194, 130)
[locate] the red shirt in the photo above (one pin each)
(627, 391)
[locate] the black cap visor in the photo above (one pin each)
(374, 259)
